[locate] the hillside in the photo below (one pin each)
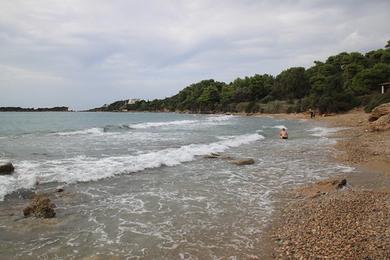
(343, 81)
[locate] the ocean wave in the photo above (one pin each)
(219, 118)
(89, 131)
(84, 169)
(276, 127)
(162, 124)
(110, 129)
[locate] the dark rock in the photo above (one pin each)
(342, 183)
(7, 168)
(60, 189)
(41, 207)
(27, 211)
(244, 161)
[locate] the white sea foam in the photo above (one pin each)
(82, 168)
(207, 121)
(162, 124)
(111, 129)
(276, 127)
(279, 127)
(324, 131)
(89, 131)
(219, 118)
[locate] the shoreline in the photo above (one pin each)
(359, 178)
(323, 221)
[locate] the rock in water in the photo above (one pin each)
(379, 111)
(60, 189)
(40, 207)
(7, 168)
(27, 211)
(244, 161)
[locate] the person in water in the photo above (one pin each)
(283, 133)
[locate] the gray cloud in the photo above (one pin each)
(86, 53)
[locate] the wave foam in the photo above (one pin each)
(162, 124)
(83, 169)
(324, 131)
(89, 131)
(276, 127)
(219, 118)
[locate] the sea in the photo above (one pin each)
(141, 185)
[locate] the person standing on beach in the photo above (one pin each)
(283, 134)
(312, 114)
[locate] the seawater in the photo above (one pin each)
(139, 187)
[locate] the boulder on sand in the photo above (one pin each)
(246, 161)
(381, 124)
(379, 111)
(41, 207)
(7, 168)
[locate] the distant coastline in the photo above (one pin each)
(40, 109)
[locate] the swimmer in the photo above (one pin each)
(283, 134)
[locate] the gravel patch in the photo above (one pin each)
(346, 224)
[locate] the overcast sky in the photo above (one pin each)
(84, 53)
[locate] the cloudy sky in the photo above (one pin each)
(83, 53)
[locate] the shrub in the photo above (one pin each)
(377, 100)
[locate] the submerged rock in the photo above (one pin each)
(59, 189)
(244, 161)
(41, 207)
(6, 169)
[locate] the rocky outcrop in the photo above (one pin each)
(6, 169)
(379, 111)
(41, 207)
(246, 161)
(380, 118)
(381, 124)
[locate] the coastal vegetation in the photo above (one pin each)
(40, 109)
(343, 81)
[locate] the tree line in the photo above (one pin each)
(342, 82)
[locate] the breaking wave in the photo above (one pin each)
(84, 169)
(110, 129)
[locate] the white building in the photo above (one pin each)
(133, 100)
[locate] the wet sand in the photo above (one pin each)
(321, 220)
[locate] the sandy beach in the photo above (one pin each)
(333, 219)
